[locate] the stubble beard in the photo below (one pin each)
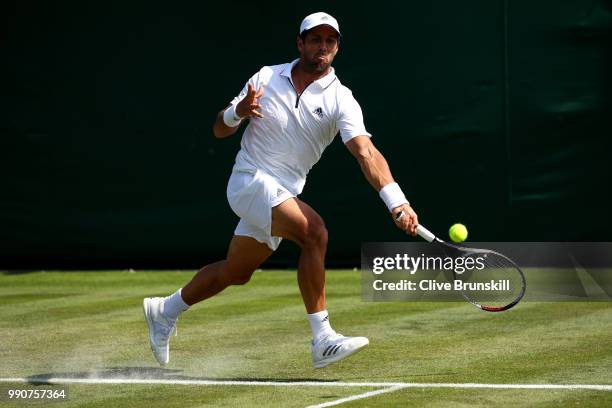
(315, 67)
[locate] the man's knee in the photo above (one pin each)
(240, 279)
(245, 254)
(315, 235)
(238, 276)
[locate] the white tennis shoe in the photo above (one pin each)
(335, 347)
(160, 329)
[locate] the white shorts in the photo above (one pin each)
(252, 195)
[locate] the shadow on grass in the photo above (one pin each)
(19, 271)
(152, 373)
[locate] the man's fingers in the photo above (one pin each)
(258, 95)
(407, 220)
(413, 228)
(254, 110)
(410, 224)
(415, 224)
(251, 93)
(252, 96)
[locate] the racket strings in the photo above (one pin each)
(496, 282)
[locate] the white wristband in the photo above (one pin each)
(393, 196)
(230, 118)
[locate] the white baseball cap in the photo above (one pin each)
(316, 19)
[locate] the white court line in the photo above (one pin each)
(62, 380)
(387, 386)
(356, 397)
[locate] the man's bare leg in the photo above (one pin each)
(245, 254)
(295, 220)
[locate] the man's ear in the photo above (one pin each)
(300, 44)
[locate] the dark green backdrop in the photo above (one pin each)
(492, 113)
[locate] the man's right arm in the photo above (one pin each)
(220, 129)
(248, 107)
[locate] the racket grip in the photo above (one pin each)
(425, 233)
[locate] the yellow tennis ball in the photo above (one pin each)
(458, 233)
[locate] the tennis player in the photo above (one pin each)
(293, 111)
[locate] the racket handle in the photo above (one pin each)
(425, 233)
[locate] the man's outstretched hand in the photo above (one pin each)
(249, 106)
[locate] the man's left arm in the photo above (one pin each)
(378, 174)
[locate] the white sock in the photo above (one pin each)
(174, 305)
(319, 323)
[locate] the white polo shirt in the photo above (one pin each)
(294, 131)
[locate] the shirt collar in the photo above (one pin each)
(321, 82)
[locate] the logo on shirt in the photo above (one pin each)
(318, 112)
(280, 192)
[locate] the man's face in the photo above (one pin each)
(318, 49)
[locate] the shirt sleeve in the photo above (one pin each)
(350, 119)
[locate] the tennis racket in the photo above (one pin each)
(490, 268)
